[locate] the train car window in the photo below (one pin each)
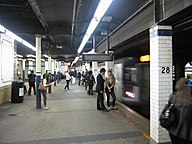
(130, 74)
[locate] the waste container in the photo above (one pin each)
(17, 91)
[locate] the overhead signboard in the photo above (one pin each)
(97, 57)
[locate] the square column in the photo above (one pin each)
(95, 69)
(161, 82)
(109, 65)
(38, 70)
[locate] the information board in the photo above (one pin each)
(97, 57)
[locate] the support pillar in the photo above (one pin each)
(38, 70)
(55, 69)
(109, 65)
(49, 72)
(59, 71)
(23, 62)
(161, 81)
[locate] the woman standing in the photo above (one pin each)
(181, 131)
(109, 89)
(44, 92)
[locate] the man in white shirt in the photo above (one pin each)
(68, 78)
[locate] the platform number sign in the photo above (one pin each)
(165, 70)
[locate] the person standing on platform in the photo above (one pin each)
(91, 82)
(79, 77)
(83, 78)
(109, 89)
(44, 92)
(68, 78)
(100, 90)
(31, 77)
(181, 130)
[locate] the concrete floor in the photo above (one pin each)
(72, 119)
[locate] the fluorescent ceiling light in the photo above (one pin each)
(46, 56)
(20, 56)
(75, 60)
(30, 55)
(42, 60)
(30, 59)
(100, 11)
(17, 38)
(2, 29)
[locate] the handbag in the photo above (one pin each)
(42, 87)
(167, 116)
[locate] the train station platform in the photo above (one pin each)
(72, 118)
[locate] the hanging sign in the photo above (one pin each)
(97, 57)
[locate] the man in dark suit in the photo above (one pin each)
(100, 90)
(31, 77)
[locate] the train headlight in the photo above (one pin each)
(129, 94)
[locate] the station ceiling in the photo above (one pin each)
(62, 23)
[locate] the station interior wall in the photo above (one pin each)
(6, 67)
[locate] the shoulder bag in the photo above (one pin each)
(167, 116)
(42, 87)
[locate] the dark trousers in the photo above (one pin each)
(177, 140)
(100, 101)
(90, 90)
(83, 81)
(67, 85)
(112, 93)
(79, 81)
(31, 85)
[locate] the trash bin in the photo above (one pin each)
(17, 91)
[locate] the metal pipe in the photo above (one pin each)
(127, 20)
(73, 20)
(35, 6)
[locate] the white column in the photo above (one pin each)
(109, 65)
(87, 66)
(83, 67)
(95, 69)
(38, 54)
(161, 82)
(23, 63)
(49, 64)
(38, 70)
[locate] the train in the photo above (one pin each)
(133, 83)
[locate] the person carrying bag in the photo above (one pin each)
(180, 131)
(43, 90)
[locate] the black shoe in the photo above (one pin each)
(99, 108)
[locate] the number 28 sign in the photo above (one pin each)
(165, 70)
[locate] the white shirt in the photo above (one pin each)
(68, 77)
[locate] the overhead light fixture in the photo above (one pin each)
(30, 55)
(42, 60)
(46, 56)
(17, 38)
(20, 56)
(59, 46)
(100, 11)
(75, 60)
(2, 29)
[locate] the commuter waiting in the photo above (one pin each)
(181, 130)
(90, 82)
(100, 90)
(109, 89)
(31, 77)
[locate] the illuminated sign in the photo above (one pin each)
(145, 58)
(65, 63)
